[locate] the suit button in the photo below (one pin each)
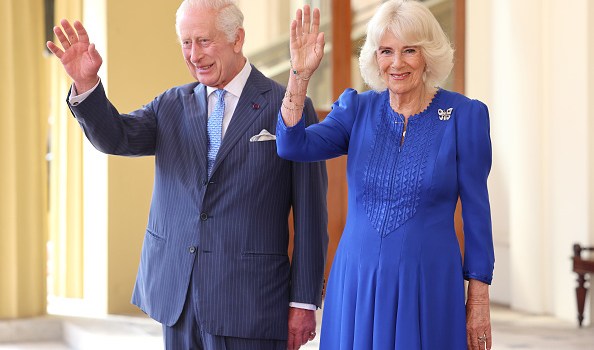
(203, 216)
(192, 250)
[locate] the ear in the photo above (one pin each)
(239, 40)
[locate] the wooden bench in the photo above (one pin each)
(582, 267)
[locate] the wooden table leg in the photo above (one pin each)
(580, 292)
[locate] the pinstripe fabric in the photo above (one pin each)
(232, 228)
(186, 333)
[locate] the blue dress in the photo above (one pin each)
(397, 280)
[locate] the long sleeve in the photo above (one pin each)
(110, 132)
(474, 164)
(310, 215)
(325, 140)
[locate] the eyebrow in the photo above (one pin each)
(403, 48)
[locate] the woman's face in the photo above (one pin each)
(400, 66)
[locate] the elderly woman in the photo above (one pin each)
(397, 280)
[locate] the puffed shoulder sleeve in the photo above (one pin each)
(321, 141)
(474, 164)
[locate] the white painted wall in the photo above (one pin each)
(95, 186)
(529, 61)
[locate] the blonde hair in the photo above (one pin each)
(229, 16)
(412, 23)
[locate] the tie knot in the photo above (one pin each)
(220, 93)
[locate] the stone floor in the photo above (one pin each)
(511, 331)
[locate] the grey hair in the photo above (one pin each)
(412, 23)
(229, 16)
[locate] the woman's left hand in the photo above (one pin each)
(306, 42)
(478, 316)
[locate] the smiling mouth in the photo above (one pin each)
(203, 68)
(400, 76)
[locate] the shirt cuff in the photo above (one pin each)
(76, 99)
(311, 307)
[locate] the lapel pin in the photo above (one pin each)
(255, 106)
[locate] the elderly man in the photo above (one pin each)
(214, 268)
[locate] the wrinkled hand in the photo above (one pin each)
(79, 57)
(478, 317)
(302, 327)
(306, 42)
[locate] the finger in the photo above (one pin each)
(72, 37)
(473, 341)
(62, 38)
(54, 49)
(291, 341)
(93, 53)
(315, 28)
(300, 339)
(468, 340)
(320, 43)
(478, 343)
(306, 19)
(488, 342)
(293, 32)
(472, 344)
(299, 20)
(81, 32)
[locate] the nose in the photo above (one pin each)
(195, 54)
(397, 62)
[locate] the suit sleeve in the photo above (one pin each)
(110, 132)
(474, 164)
(310, 184)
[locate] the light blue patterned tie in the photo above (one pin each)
(215, 128)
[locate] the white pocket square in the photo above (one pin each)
(264, 135)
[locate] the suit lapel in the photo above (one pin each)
(196, 110)
(249, 107)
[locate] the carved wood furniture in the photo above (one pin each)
(582, 267)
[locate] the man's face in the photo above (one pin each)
(210, 57)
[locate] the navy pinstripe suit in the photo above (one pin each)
(232, 228)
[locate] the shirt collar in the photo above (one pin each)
(236, 85)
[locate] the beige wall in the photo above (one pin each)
(23, 196)
(144, 59)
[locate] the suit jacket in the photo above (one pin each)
(232, 228)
